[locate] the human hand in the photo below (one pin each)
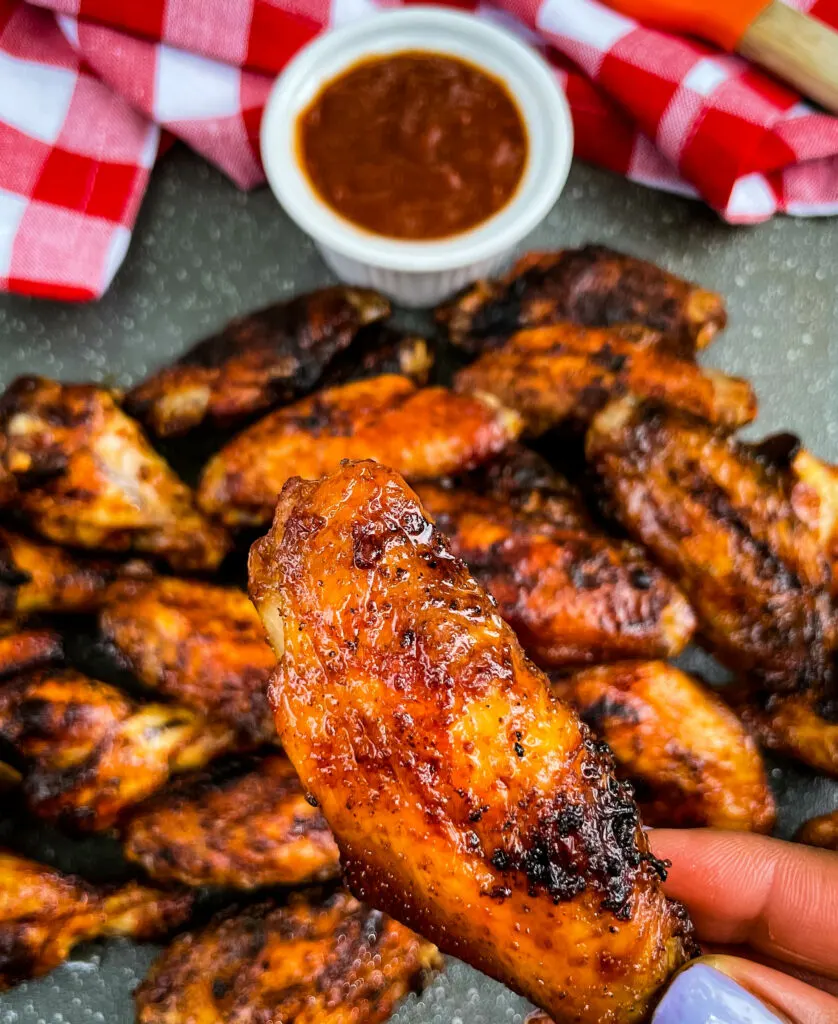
(767, 912)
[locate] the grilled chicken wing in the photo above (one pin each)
(687, 754)
(261, 360)
(720, 519)
(90, 752)
(814, 498)
(793, 725)
(593, 286)
(245, 826)
(87, 476)
(571, 595)
(821, 831)
(465, 799)
(551, 375)
(202, 645)
(381, 349)
(25, 650)
(329, 962)
(40, 577)
(44, 913)
(421, 433)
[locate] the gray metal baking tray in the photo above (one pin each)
(203, 252)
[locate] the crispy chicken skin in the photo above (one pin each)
(28, 648)
(202, 645)
(814, 497)
(593, 286)
(312, 962)
(690, 759)
(44, 913)
(821, 831)
(792, 725)
(247, 827)
(566, 373)
(422, 433)
(466, 800)
(720, 519)
(90, 752)
(571, 595)
(88, 477)
(40, 577)
(258, 361)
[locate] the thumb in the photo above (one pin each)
(727, 990)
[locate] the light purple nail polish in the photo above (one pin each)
(703, 995)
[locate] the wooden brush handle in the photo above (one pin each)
(801, 50)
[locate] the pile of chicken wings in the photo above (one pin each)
(561, 519)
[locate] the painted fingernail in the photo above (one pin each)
(703, 995)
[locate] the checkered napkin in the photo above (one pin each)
(91, 89)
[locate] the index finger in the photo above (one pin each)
(777, 897)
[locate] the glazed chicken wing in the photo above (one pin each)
(422, 433)
(261, 360)
(821, 831)
(793, 725)
(571, 595)
(202, 645)
(814, 497)
(327, 962)
(381, 349)
(245, 826)
(566, 373)
(466, 800)
(44, 913)
(688, 756)
(31, 647)
(90, 752)
(593, 286)
(88, 477)
(39, 577)
(720, 519)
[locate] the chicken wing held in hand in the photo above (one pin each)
(90, 752)
(688, 756)
(202, 645)
(720, 519)
(87, 477)
(572, 596)
(246, 827)
(567, 373)
(44, 913)
(258, 361)
(594, 286)
(325, 962)
(423, 433)
(466, 800)
(40, 577)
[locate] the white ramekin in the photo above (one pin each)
(419, 273)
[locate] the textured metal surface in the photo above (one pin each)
(203, 252)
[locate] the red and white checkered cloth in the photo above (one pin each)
(87, 85)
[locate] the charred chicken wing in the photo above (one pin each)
(31, 647)
(465, 798)
(88, 477)
(381, 349)
(422, 433)
(90, 752)
(593, 286)
(552, 375)
(202, 645)
(720, 519)
(571, 595)
(245, 826)
(40, 577)
(821, 831)
(330, 962)
(688, 756)
(793, 725)
(261, 360)
(44, 913)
